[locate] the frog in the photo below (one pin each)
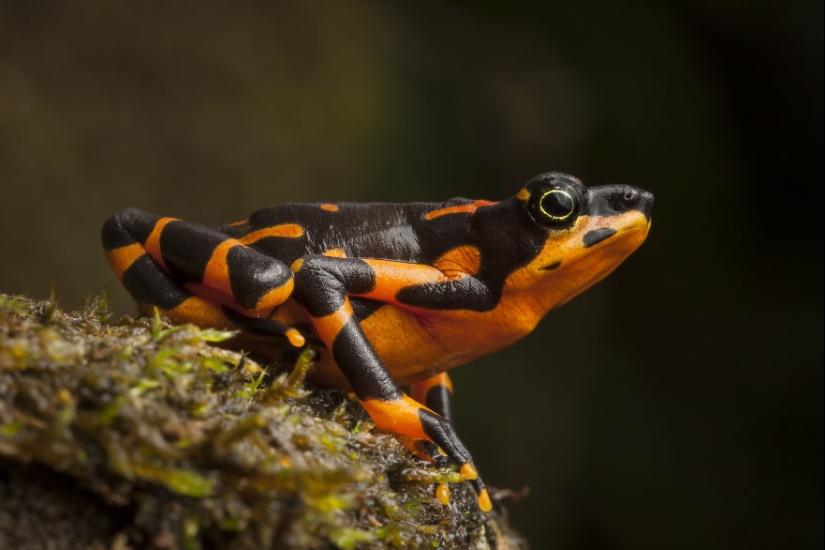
(389, 294)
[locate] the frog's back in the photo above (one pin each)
(392, 231)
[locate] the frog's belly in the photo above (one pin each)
(414, 347)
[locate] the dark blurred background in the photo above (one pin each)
(679, 403)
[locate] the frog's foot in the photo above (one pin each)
(267, 327)
(425, 450)
(436, 393)
(430, 452)
(406, 417)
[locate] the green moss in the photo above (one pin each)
(201, 447)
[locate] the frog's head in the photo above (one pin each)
(589, 232)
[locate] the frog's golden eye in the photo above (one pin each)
(557, 204)
(555, 207)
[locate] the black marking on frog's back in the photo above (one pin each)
(387, 231)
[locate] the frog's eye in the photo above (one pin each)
(555, 207)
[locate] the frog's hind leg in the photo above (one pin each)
(124, 238)
(193, 273)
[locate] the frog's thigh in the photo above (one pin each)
(140, 245)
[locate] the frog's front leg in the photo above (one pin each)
(323, 284)
(196, 274)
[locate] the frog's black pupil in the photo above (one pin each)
(557, 204)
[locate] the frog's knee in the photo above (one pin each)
(257, 281)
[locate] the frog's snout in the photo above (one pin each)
(612, 200)
(646, 204)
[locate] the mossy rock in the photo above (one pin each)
(138, 434)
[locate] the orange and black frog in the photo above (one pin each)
(391, 294)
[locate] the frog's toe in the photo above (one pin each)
(469, 473)
(267, 327)
(443, 434)
(442, 493)
(482, 495)
(435, 455)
